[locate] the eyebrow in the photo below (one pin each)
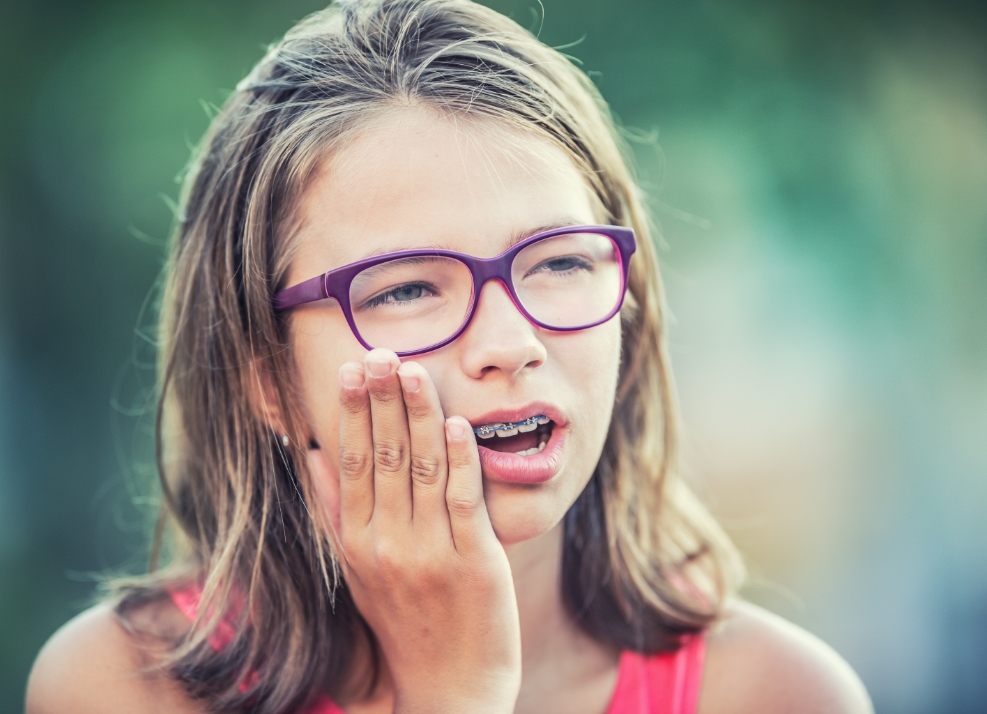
(415, 260)
(519, 236)
(515, 238)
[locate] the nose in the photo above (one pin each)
(499, 338)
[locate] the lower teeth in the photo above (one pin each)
(534, 449)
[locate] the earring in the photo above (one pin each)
(284, 439)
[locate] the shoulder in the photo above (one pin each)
(758, 662)
(95, 663)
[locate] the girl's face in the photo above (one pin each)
(416, 179)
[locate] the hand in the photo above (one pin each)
(417, 549)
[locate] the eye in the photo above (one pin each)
(405, 293)
(562, 264)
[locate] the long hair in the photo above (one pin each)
(643, 562)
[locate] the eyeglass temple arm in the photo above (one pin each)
(308, 291)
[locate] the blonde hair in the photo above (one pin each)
(643, 562)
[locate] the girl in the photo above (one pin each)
(417, 429)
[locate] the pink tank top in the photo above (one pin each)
(666, 683)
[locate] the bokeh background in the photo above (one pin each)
(820, 177)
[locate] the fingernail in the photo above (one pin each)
(455, 430)
(352, 377)
(409, 381)
(379, 369)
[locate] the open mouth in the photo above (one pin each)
(523, 438)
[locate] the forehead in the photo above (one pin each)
(416, 178)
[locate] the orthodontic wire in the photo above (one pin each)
(491, 428)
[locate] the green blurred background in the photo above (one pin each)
(822, 188)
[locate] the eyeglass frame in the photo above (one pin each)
(336, 283)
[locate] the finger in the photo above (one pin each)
(391, 442)
(356, 462)
(429, 465)
(471, 529)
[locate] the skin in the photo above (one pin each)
(439, 556)
(452, 539)
(453, 186)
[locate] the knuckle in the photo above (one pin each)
(352, 462)
(385, 395)
(462, 503)
(459, 461)
(426, 470)
(390, 457)
(460, 457)
(353, 403)
(418, 411)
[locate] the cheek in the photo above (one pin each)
(320, 347)
(592, 366)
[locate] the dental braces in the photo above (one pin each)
(487, 431)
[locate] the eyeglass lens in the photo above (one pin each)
(408, 304)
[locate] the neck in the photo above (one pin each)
(536, 566)
(555, 652)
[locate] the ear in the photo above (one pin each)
(266, 404)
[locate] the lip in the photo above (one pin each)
(506, 416)
(533, 469)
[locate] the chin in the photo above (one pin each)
(520, 513)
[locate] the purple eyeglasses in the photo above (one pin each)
(415, 301)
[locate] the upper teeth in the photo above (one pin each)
(488, 431)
